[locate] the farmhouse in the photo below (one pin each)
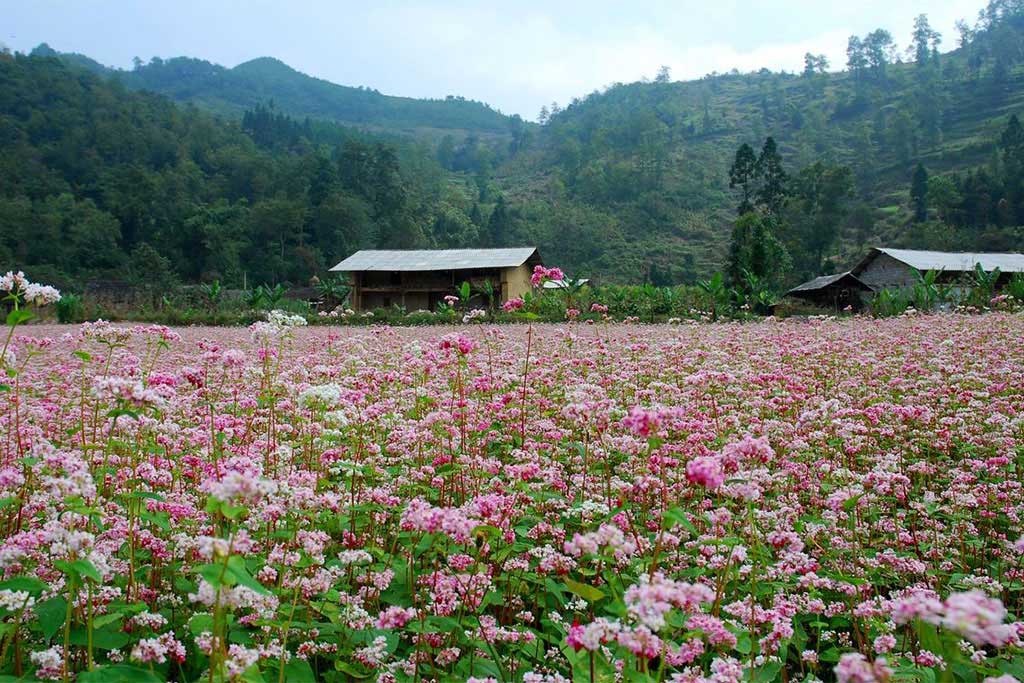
(886, 268)
(837, 291)
(420, 279)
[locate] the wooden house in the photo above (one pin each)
(836, 292)
(420, 279)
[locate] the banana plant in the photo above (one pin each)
(717, 294)
(213, 293)
(926, 294)
(486, 289)
(333, 291)
(984, 284)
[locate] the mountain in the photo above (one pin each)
(639, 172)
(98, 181)
(265, 80)
(637, 182)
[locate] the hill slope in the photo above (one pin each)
(639, 172)
(630, 183)
(98, 181)
(263, 80)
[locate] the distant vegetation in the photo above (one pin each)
(263, 80)
(642, 182)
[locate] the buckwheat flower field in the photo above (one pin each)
(795, 501)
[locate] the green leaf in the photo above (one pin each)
(768, 672)
(104, 639)
(79, 569)
(677, 516)
(18, 316)
(119, 673)
(30, 585)
(236, 565)
(200, 622)
(350, 669)
(87, 569)
(298, 671)
(588, 593)
(83, 356)
(216, 575)
(104, 619)
(51, 614)
(253, 675)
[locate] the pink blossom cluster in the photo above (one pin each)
(541, 275)
(710, 503)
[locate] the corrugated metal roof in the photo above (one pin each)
(824, 281)
(436, 259)
(950, 261)
(564, 284)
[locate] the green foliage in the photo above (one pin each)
(104, 183)
(983, 285)
(627, 182)
(888, 303)
(70, 308)
(333, 291)
(927, 293)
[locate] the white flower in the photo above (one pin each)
(324, 395)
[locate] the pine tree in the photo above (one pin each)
(919, 193)
(742, 175)
(772, 193)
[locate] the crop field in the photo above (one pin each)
(834, 500)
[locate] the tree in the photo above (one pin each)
(943, 196)
(499, 224)
(152, 272)
(879, 48)
(1011, 144)
(664, 75)
(919, 193)
(856, 59)
(924, 42)
(815, 213)
(772, 193)
(446, 152)
(755, 249)
(742, 174)
(814, 65)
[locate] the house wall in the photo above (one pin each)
(885, 272)
(424, 290)
(515, 282)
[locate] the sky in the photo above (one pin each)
(516, 56)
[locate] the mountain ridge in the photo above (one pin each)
(233, 90)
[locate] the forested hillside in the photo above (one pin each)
(264, 80)
(640, 171)
(97, 181)
(782, 176)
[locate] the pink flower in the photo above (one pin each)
(853, 667)
(978, 618)
(705, 471)
(574, 638)
(513, 304)
(643, 421)
(542, 275)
